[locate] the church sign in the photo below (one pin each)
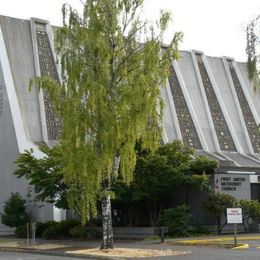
(234, 216)
(237, 185)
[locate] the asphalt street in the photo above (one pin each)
(194, 253)
(25, 256)
(211, 253)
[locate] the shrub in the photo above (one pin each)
(177, 220)
(41, 227)
(199, 229)
(250, 209)
(65, 226)
(79, 232)
(217, 204)
(51, 232)
(21, 232)
(59, 229)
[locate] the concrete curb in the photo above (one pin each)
(61, 254)
(244, 246)
(210, 242)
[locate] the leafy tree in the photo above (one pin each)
(217, 205)
(253, 51)
(15, 214)
(197, 175)
(45, 174)
(250, 209)
(108, 99)
(157, 175)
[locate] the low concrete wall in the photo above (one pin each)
(6, 231)
(254, 228)
(228, 229)
(132, 232)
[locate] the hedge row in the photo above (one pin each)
(53, 230)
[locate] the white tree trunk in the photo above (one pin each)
(107, 241)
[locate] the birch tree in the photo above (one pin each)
(253, 51)
(112, 68)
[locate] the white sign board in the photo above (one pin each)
(234, 215)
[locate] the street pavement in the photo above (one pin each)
(210, 253)
(25, 256)
(193, 252)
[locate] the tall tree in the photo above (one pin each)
(253, 51)
(158, 175)
(112, 69)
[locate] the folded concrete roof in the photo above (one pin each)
(210, 104)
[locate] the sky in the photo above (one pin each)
(215, 27)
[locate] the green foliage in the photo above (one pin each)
(157, 175)
(177, 220)
(51, 232)
(14, 211)
(199, 229)
(50, 229)
(41, 227)
(250, 209)
(65, 226)
(59, 229)
(252, 51)
(217, 205)
(80, 232)
(109, 97)
(21, 231)
(45, 174)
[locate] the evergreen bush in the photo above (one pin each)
(51, 232)
(177, 220)
(65, 226)
(15, 214)
(80, 232)
(21, 232)
(41, 227)
(59, 229)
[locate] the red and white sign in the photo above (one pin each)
(234, 215)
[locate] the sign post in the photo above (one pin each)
(235, 234)
(234, 216)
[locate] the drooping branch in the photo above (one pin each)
(253, 51)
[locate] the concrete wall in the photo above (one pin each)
(8, 151)
(23, 115)
(20, 127)
(18, 42)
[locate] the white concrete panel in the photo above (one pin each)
(17, 37)
(191, 82)
(38, 74)
(228, 103)
(170, 121)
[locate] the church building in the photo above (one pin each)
(210, 105)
